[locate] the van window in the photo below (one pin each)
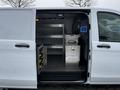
(109, 27)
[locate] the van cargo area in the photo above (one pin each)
(62, 38)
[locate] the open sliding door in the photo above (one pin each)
(17, 48)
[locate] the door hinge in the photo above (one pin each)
(89, 57)
(89, 50)
(89, 26)
(88, 74)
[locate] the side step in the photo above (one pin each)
(62, 77)
(61, 82)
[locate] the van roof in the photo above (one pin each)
(62, 8)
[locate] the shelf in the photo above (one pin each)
(52, 25)
(51, 36)
(52, 53)
(55, 47)
(55, 51)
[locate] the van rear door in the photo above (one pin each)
(105, 68)
(17, 48)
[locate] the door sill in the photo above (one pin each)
(62, 82)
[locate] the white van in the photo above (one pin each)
(64, 45)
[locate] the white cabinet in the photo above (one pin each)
(72, 55)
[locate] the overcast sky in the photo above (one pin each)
(114, 4)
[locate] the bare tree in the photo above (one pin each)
(18, 3)
(79, 3)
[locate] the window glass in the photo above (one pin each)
(109, 27)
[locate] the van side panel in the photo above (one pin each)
(17, 49)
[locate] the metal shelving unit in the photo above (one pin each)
(52, 36)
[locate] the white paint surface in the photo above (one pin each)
(112, 4)
(17, 64)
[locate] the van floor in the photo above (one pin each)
(64, 69)
(57, 71)
(53, 73)
(61, 76)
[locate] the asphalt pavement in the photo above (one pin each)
(75, 87)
